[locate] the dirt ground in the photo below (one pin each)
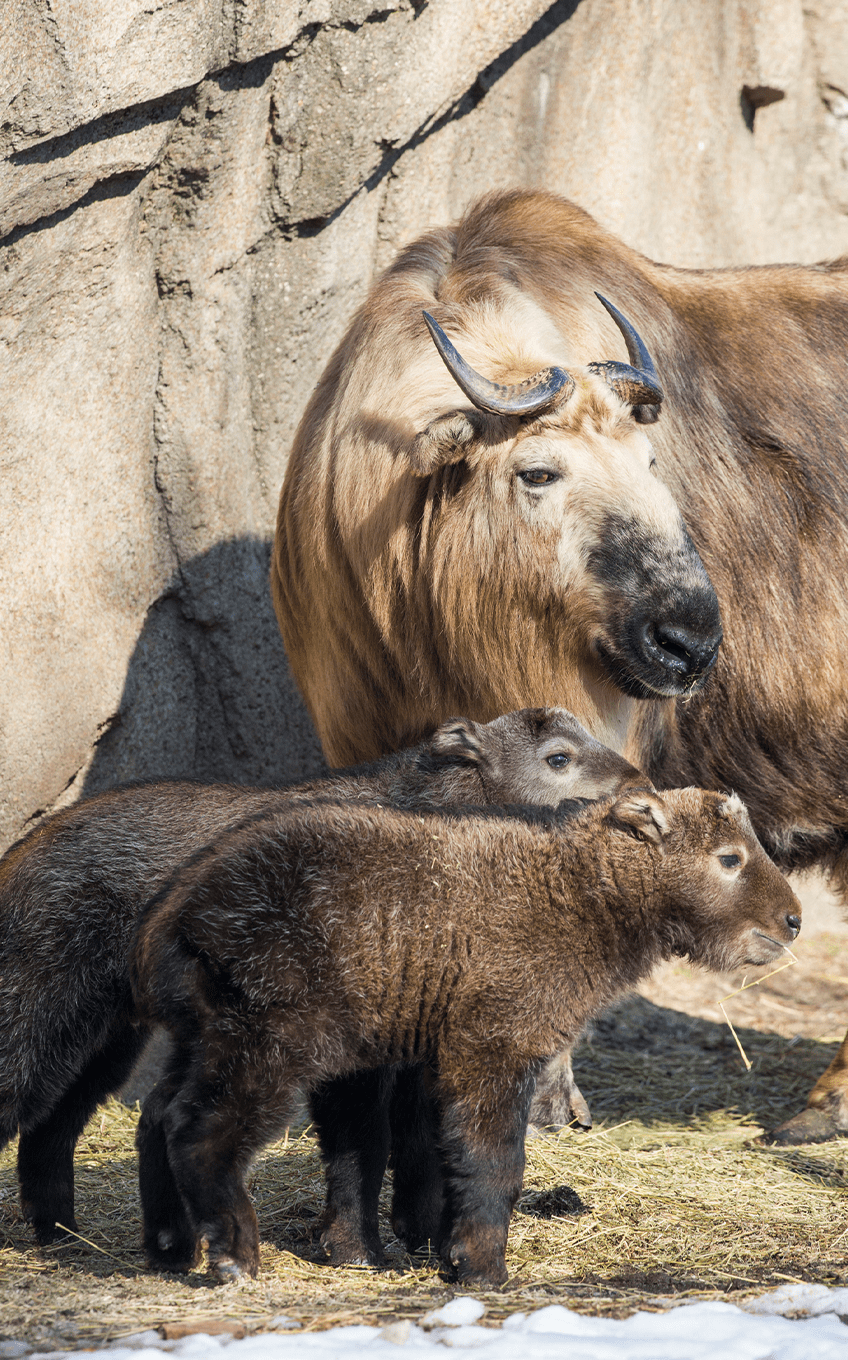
(672, 1195)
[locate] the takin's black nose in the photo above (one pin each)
(794, 924)
(685, 653)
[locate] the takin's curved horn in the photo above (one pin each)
(637, 385)
(543, 389)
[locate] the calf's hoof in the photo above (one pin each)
(171, 1253)
(816, 1124)
(339, 1248)
(227, 1268)
(464, 1265)
(418, 1231)
(47, 1230)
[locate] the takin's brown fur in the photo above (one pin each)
(412, 571)
(71, 890)
(320, 942)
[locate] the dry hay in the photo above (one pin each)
(671, 1196)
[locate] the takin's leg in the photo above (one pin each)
(46, 1149)
(558, 1101)
(170, 1241)
(351, 1115)
(483, 1143)
(417, 1170)
(826, 1114)
(238, 1098)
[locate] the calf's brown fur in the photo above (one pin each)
(320, 942)
(71, 890)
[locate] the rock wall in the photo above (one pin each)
(194, 196)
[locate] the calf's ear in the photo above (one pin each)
(458, 740)
(640, 814)
(445, 440)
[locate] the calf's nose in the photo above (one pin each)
(794, 924)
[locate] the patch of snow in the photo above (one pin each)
(457, 1313)
(698, 1331)
(814, 1299)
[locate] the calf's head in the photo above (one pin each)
(553, 538)
(725, 903)
(535, 755)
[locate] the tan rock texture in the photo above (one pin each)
(194, 196)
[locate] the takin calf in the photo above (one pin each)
(71, 891)
(315, 943)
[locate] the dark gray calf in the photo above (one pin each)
(71, 890)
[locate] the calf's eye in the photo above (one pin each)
(730, 861)
(537, 477)
(559, 761)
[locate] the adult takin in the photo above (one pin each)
(71, 891)
(474, 518)
(319, 942)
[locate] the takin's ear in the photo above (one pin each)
(445, 440)
(457, 740)
(646, 415)
(640, 814)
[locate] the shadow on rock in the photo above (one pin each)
(208, 693)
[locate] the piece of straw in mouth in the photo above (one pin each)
(744, 988)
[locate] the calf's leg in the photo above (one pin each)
(170, 1241)
(46, 1148)
(483, 1141)
(418, 1179)
(238, 1097)
(351, 1115)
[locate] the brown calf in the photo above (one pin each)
(321, 942)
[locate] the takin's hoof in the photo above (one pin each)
(816, 1124)
(548, 1119)
(556, 1109)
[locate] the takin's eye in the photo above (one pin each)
(559, 760)
(730, 861)
(537, 476)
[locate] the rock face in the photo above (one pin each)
(194, 197)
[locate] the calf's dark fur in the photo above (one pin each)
(320, 942)
(71, 890)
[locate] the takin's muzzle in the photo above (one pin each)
(662, 628)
